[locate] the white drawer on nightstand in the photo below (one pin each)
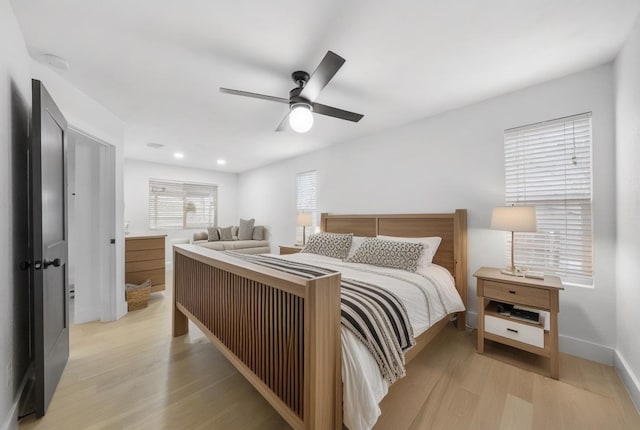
(510, 329)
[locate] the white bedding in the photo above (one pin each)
(428, 297)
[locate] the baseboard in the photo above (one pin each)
(570, 345)
(629, 378)
(11, 421)
(585, 349)
(81, 316)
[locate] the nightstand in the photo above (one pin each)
(538, 294)
(290, 249)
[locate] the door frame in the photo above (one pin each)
(108, 291)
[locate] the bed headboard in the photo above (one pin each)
(451, 227)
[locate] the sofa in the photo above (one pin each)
(212, 239)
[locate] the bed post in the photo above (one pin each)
(179, 322)
(323, 356)
(460, 260)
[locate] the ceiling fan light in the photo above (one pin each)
(301, 118)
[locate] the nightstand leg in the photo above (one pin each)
(481, 325)
(553, 336)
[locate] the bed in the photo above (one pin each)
(283, 332)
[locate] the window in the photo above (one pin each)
(306, 200)
(548, 165)
(178, 205)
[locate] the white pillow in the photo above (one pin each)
(431, 245)
(356, 241)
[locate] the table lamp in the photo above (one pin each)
(513, 218)
(305, 219)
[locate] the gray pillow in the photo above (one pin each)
(389, 253)
(258, 232)
(213, 234)
(226, 233)
(234, 232)
(330, 244)
(245, 232)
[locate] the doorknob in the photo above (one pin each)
(54, 263)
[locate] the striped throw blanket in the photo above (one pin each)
(374, 314)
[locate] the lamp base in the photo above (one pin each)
(514, 271)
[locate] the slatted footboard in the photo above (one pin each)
(281, 332)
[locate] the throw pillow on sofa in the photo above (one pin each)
(213, 234)
(226, 233)
(258, 232)
(245, 232)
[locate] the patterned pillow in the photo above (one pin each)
(329, 244)
(213, 234)
(389, 253)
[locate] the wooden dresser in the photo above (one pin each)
(144, 259)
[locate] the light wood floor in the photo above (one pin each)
(130, 374)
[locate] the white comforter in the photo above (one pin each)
(428, 297)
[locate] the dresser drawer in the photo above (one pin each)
(529, 296)
(513, 330)
(137, 244)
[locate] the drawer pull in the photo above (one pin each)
(512, 292)
(512, 330)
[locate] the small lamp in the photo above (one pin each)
(305, 219)
(513, 218)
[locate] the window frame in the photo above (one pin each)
(184, 193)
(307, 208)
(567, 249)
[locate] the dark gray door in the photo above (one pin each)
(48, 245)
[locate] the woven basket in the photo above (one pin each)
(138, 295)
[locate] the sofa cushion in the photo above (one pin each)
(245, 231)
(200, 235)
(242, 244)
(258, 232)
(213, 234)
(216, 246)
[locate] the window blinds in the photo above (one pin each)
(306, 191)
(178, 205)
(306, 199)
(548, 165)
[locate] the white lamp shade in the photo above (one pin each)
(305, 219)
(301, 118)
(514, 218)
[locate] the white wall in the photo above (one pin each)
(89, 116)
(136, 206)
(455, 160)
(15, 102)
(627, 74)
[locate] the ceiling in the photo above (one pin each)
(158, 64)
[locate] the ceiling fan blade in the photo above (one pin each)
(254, 95)
(327, 68)
(284, 125)
(336, 113)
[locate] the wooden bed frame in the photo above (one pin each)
(282, 332)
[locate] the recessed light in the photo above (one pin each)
(221, 162)
(54, 61)
(178, 155)
(154, 145)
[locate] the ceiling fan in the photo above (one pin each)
(302, 98)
